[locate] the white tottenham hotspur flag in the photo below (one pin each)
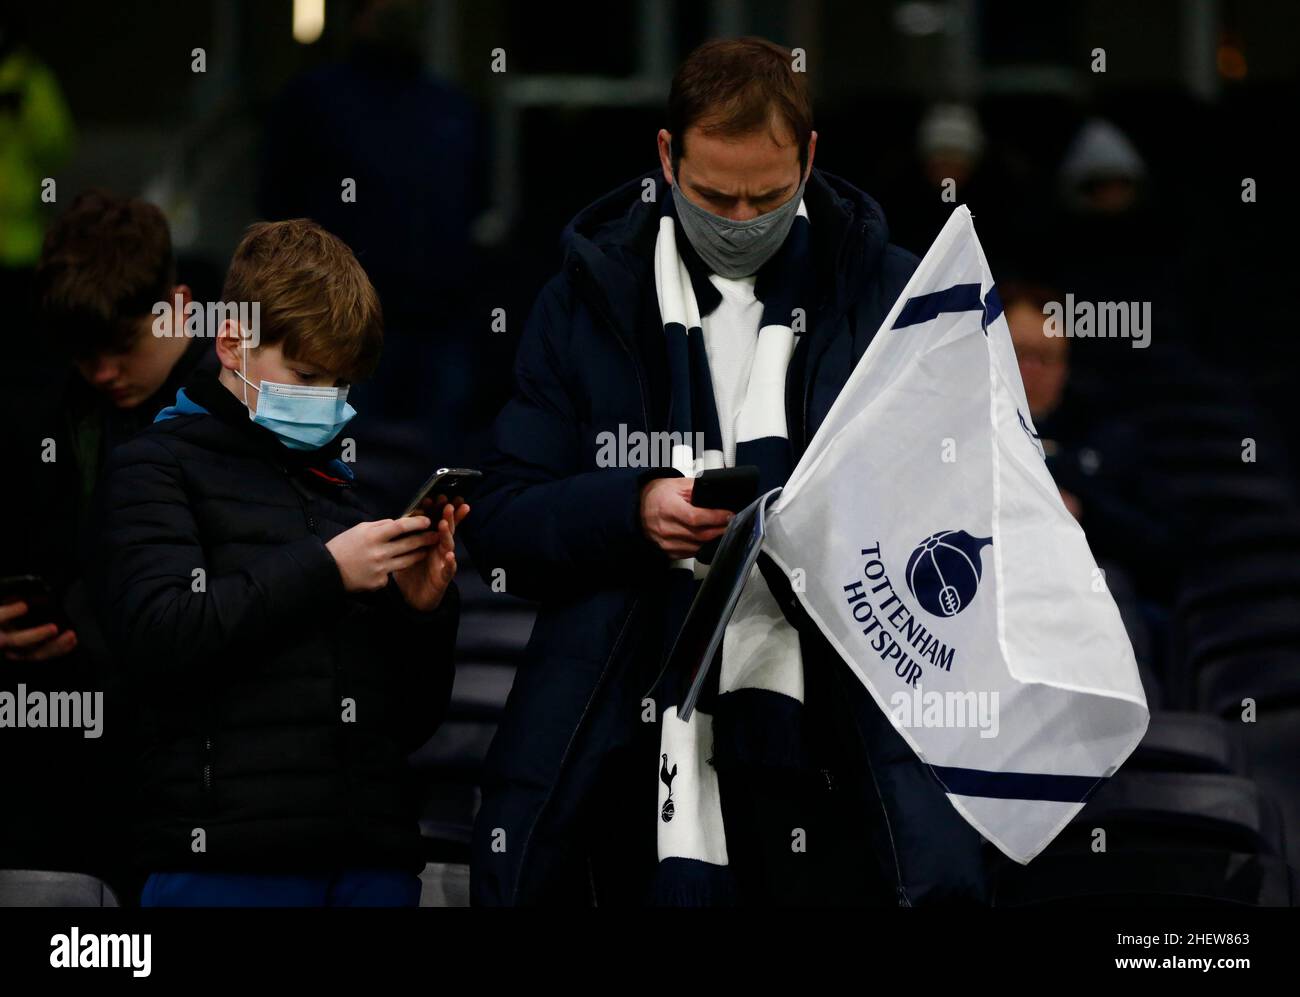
(925, 537)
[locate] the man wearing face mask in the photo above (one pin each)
(285, 649)
(725, 296)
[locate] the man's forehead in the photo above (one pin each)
(752, 160)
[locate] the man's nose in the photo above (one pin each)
(743, 212)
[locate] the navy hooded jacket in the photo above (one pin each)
(567, 533)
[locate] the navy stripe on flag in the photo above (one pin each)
(926, 307)
(958, 298)
(1016, 785)
(992, 307)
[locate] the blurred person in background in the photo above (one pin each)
(412, 144)
(948, 168)
(1111, 245)
(36, 138)
(106, 262)
(1095, 459)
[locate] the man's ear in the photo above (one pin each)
(812, 148)
(230, 338)
(183, 290)
(666, 155)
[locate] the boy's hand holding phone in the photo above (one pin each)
(40, 642)
(424, 583)
(421, 559)
(368, 552)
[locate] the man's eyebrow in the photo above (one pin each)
(766, 195)
(709, 192)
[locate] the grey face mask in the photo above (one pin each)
(735, 249)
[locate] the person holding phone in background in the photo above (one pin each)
(105, 262)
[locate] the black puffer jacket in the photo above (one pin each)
(275, 711)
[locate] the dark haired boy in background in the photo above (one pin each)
(105, 263)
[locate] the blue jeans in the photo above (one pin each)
(342, 888)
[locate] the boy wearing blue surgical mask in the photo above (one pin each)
(287, 650)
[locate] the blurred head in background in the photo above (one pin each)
(388, 35)
(950, 143)
(1044, 360)
(105, 264)
(1102, 173)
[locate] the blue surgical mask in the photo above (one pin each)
(301, 416)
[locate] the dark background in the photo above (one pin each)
(1208, 810)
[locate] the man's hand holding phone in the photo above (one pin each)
(678, 528)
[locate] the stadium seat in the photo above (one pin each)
(1221, 630)
(1188, 742)
(37, 888)
(1152, 810)
(1273, 753)
(1269, 676)
(1191, 879)
(444, 884)
(1229, 607)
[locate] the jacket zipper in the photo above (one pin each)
(207, 771)
(334, 658)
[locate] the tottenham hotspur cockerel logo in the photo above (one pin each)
(667, 778)
(944, 571)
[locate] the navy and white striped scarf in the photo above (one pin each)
(759, 687)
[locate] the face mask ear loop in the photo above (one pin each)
(242, 374)
(243, 366)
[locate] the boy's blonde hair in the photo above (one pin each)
(314, 297)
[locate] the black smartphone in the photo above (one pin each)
(730, 488)
(42, 607)
(449, 481)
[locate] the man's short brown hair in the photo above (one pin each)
(106, 261)
(313, 296)
(734, 86)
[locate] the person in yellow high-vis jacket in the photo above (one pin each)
(36, 138)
